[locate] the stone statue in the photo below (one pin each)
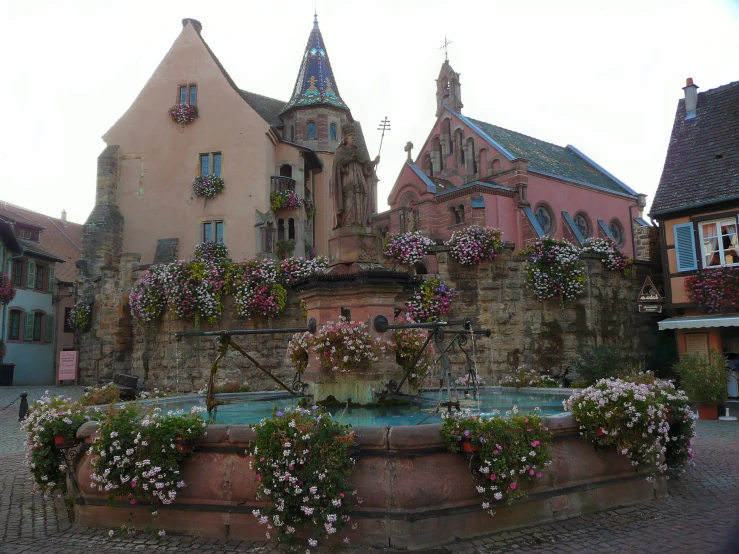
(353, 182)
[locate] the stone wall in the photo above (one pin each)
(525, 330)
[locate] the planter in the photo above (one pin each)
(6, 374)
(707, 412)
(183, 445)
(469, 450)
(61, 442)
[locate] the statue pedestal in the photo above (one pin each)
(354, 245)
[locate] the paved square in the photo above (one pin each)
(701, 515)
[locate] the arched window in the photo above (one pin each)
(472, 169)
(446, 132)
(495, 165)
(455, 214)
(617, 230)
(428, 167)
(420, 269)
(292, 133)
(445, 88)
(280, 229)
(286, 170)
(436, 146)
(544, 217)
(332, 131)
(459, 138)
(461, 213)
(583, 224)
(310, 130)
(291, 229)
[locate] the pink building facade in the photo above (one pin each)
(471, 172)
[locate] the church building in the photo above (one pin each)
(471, 172)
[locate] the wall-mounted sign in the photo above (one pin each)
(696, 343)
(649, 293)
(650, 308)
(67, 365)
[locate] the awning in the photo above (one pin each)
(699, 321)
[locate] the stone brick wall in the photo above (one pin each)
(525, 330)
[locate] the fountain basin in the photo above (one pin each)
(415, 494)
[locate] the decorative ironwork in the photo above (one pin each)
(70, 451)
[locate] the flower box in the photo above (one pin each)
(468, 449)
(183, 113)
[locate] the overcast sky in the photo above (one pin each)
(604, 78)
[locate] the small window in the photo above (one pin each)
(719, 243)
(332, 131)
(617, 231)
(210, 164)
(460, 211)
(39, 284)
(292, 133)
(37, 320)
(17, 273)
(582, 223)
(213, 231)
(311, 130)
(67, 326)
(280, 229)
(188, 94)
(14, 325)
(545, 219)
(291, 229)
(219, 230)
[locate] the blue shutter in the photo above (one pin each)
(31, 275)
(49, 328)
(29, 326)
(50, 283)
(685, 247)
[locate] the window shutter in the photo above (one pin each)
(31, 274)
(29, 327)
(685, 247)
(51, 279)
(49, 328)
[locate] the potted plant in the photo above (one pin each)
(705, 381)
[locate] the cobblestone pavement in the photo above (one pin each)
(701, 515)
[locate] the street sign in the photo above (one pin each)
(650, 308)
(649, 293)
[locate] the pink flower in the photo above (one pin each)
(132, 501)
(538, 475)
(492, 476)
(513, 486)
(133, 483)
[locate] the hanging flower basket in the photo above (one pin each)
(183, 113)
(7, 291)
(610, 254)
(79, 316)
(208, 185)
(474, 245)
(406, 248)
(468, 449)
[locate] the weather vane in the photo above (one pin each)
(384, 126)
(446, 53)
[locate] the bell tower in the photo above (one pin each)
(448, 89)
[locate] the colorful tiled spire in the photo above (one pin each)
(315, 83)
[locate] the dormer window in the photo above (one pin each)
(188, 94)
(26, 233)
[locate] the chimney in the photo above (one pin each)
(691, 98)
(194, 22)
(64, 216)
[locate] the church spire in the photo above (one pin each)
(315, 83)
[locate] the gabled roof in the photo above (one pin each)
(315, 83)
(567, 163)
(702, 163)
(59, 240)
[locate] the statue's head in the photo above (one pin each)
(348, 134)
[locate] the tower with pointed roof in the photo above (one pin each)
(315, 112)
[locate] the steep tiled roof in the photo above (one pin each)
(59, 239)
(549, 158)
(702, 163)
(315, 83)
(268, 108)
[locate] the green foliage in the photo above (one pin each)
(704, 379)
(96, 396)
(302, 463)
(232, 385)
(47, 418)
(513, 451)
(407, 343)
(285, 248)
(602, 361)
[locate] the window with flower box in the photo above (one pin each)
(188, 94)
(210, 164)
(213, 231)
(719, 242)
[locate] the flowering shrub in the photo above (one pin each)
(96, 396)
(147, 297)
(293, 269)
(407, 343)
(610, 254)
(524, 377)
(339, 346)
(554, 270)
(47, 418)
(466, 381)
(7, 290)
(138, 453)
(183, 113)
(194, 290)
(432, 300)
(406, 248)
(310, 208)
(260, 299)
(474, 245)
(298, 350)
(302, 462)
(210, 252)
(715, 290)
(513, 451)
(208, 185)
(632, 416)
(284, 200)
(79, 316)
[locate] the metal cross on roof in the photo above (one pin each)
(446, 51)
